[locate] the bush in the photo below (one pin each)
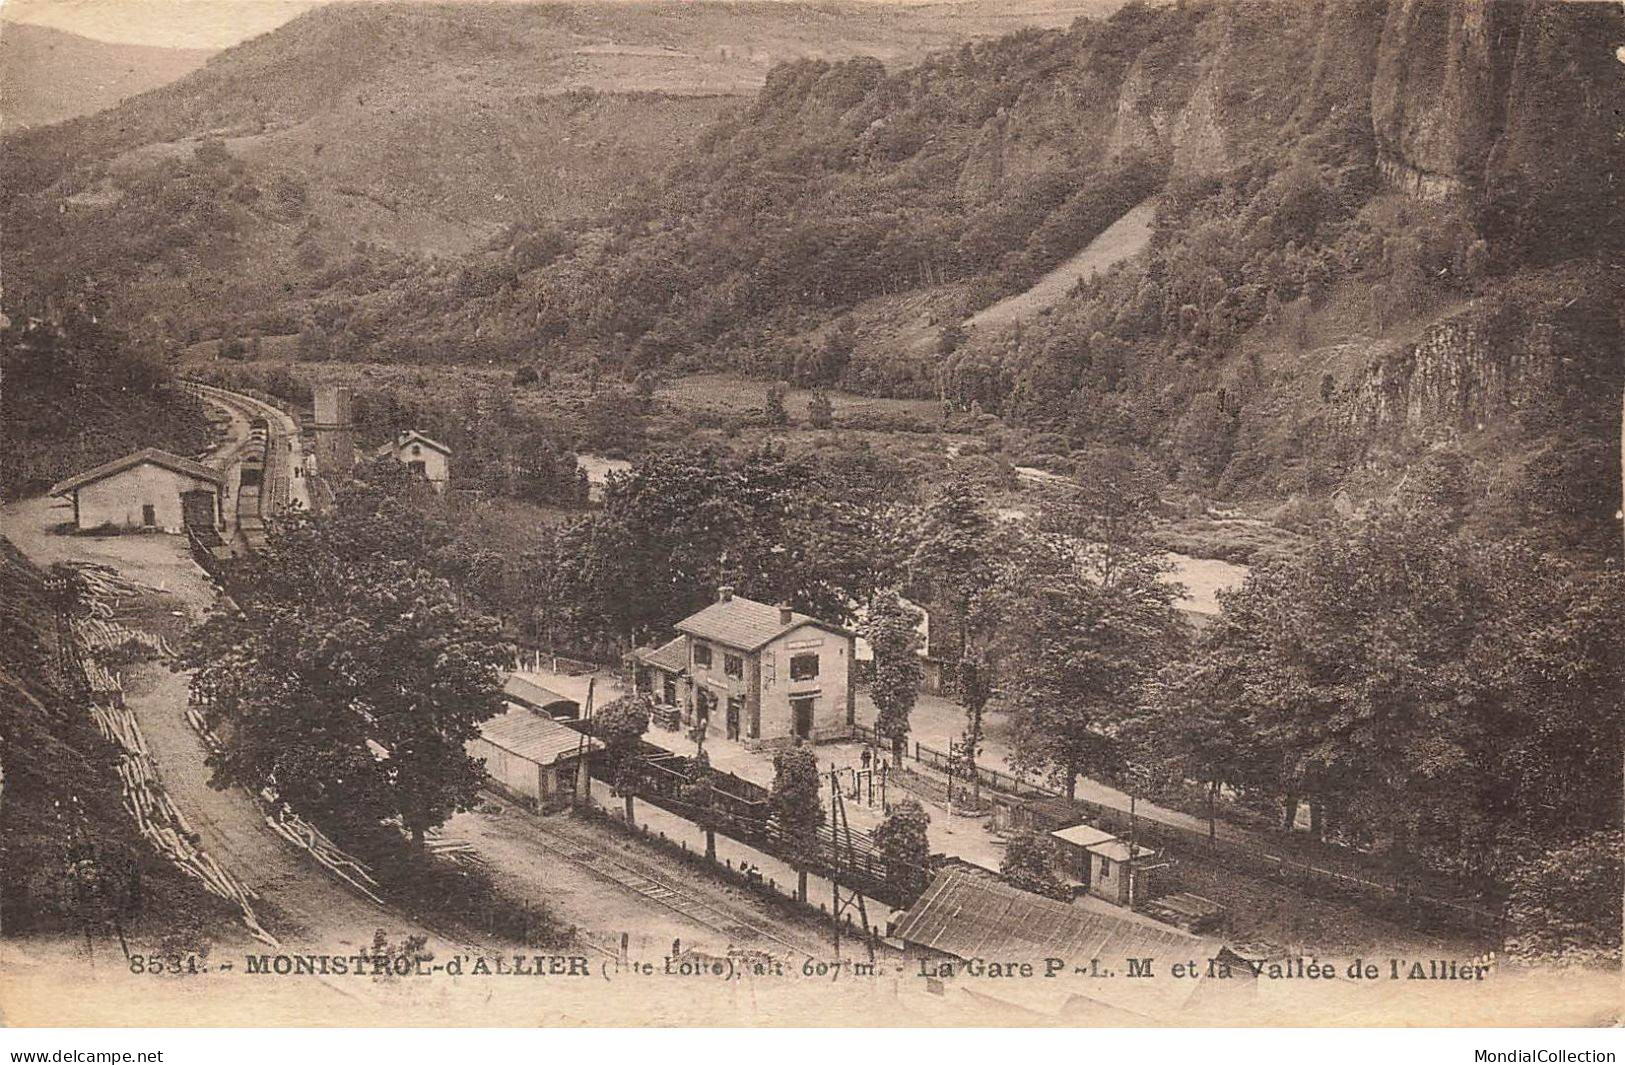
(1029, 864)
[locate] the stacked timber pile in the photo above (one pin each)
(301, 833)
(1193, 913)
(457, 850)
(105, 686)
(104, 586)
(98, 636)
(160, 821)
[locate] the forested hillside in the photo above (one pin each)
(353, 146)
(1362, 247)
(77, 394)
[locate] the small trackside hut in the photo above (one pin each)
(1072, 856)
(531, 758)
(662, 674)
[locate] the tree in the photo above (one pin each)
(955, 552)
(621, 724)
(905, 848)
(1454, 703)
(1107, 515)
(1196, 726)
(1090, 650)
(774, 406)
(797, 810)
(975, 688)
(700, 792)
(1029, 864)
(359, 680)
(677, 526)
(894, 637)
(820, 411)
(1564, 904)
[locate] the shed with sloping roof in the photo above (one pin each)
(521, 692)
(530, 757)
(1072, 850)
(1119, 870)
(661, 672)
(146, 489)
(976, 918)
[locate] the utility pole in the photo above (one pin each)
(583, 751)
(841, 833)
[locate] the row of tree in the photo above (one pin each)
(1450, 703)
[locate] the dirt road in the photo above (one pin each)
(301, 904)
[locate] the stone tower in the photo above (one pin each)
(335, 445)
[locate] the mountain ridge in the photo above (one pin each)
(49, 75)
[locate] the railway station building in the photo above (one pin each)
(147, 489)
(761, 674)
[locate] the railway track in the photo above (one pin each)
(264, 453)
(658, 889)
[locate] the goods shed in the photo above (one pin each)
(147, 489)
(530, 757)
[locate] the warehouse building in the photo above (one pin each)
(147, 489)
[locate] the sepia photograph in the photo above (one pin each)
(840, 514)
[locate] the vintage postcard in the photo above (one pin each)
(845, 513)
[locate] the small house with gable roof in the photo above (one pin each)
(429, 459)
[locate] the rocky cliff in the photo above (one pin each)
(1468, 94)
(1504, 357)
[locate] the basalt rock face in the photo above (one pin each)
(1438, 97)
(1469, 94)
(1499, 359)
(1462, 373)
